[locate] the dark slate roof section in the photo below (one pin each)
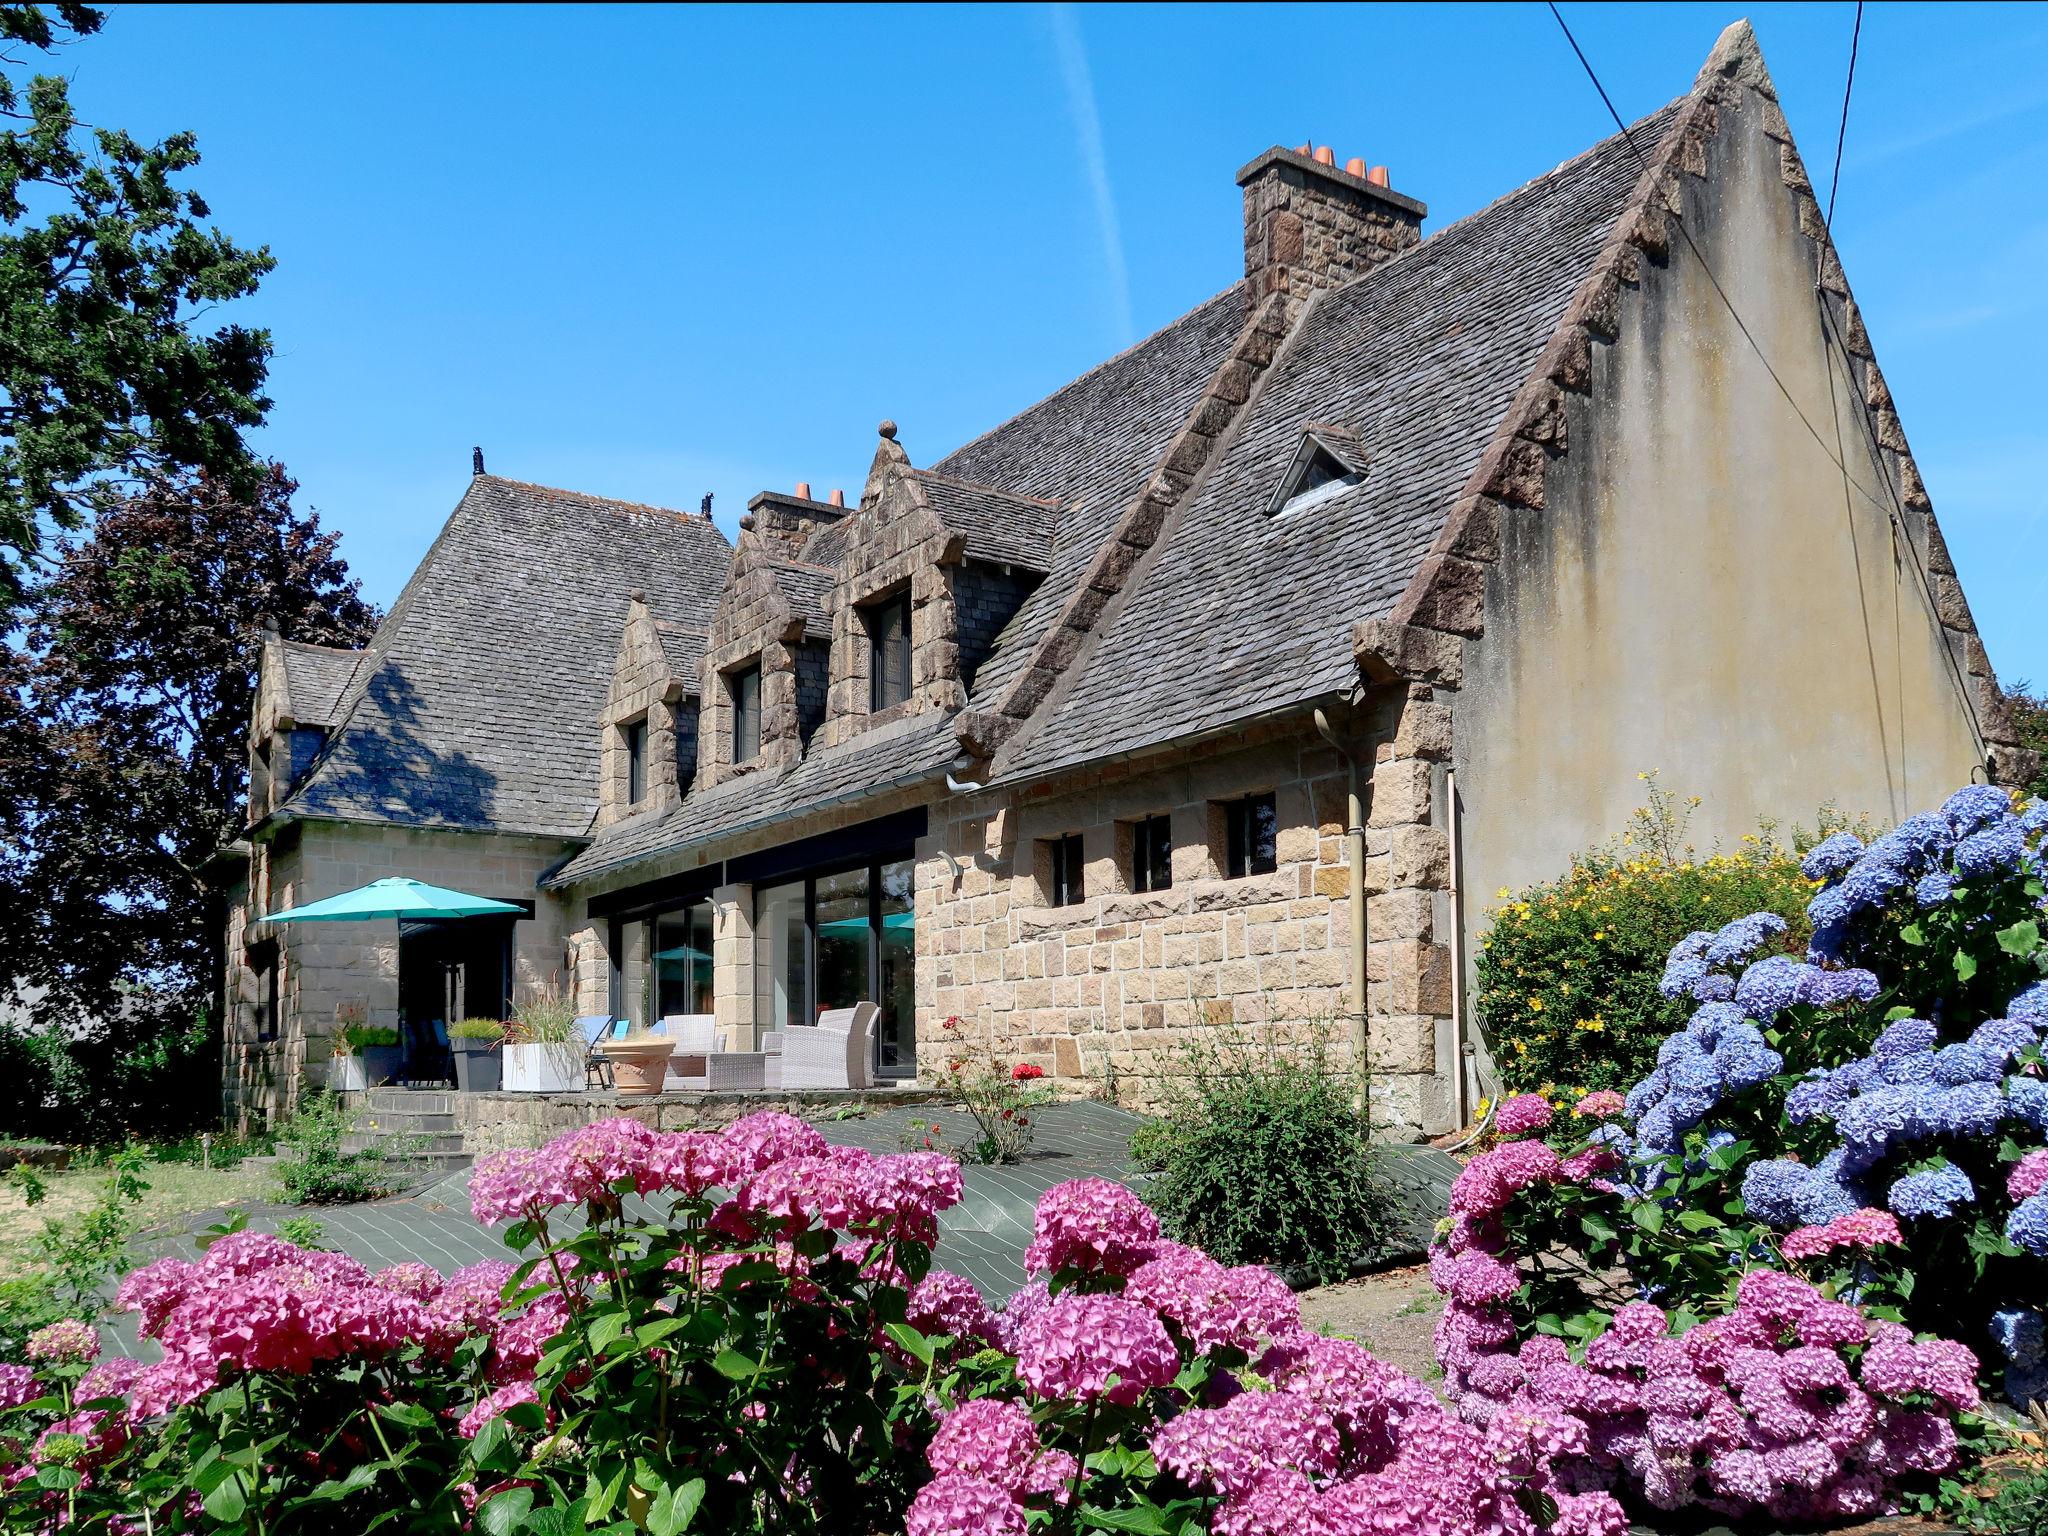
(1239, 613)
(807, 586)
(683, 646)
(477, 703)
(827, 546)
(906, 752)
(1091, 447)
(315, 677)
(1000, 528)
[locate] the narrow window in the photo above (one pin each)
(1152, 854)
(266, 998)
(1253, 830)
(745, 686)
(636, 762)
(1063, 873)
(889, 653)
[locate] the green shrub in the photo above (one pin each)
(1568, 972)
(1264, 1157)
(73, 1256)
(314, 1170)
(477, 1029)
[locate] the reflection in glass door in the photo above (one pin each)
(896, 950)
(680, 969)
(844, 929)
(781, 957)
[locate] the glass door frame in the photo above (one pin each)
(873, 864)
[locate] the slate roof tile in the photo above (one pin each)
(315, 677)
(1000, 528)
(476, 702)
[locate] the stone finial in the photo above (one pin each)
(888, 453)
(637, 595)
(887, 429)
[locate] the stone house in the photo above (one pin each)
(1215, 690)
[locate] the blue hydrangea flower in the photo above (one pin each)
(2031, 1006)
(2004, 1038)
(1932, 890)
(2027, 1226)
(1831, 989)
(1771, 1191)
(2027, 1098)
(1936, 1191)
(1685, 965)
(1974, 806)
(1908, 1037)
(1994, 851)
(1771, 986)
(1832, 856)
(1738, 940)
(1967, 1110)
(2034, 818)
(1967, 1061)
(2022, 1335)
(1713, 988)
(1832, 917)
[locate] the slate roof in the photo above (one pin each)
(906, 752)
(1237, 613)
(476, 703)
(1000, 528)
(806, 586)
(315, 677)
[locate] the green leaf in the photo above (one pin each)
(1699, 1221)
(359, 1477)
(911, 1342)
(1648, 1215)
(730, 1362)
(2022, 938)
(674, 1508)
(501, 1514)
(411, 1415)
(227, 1500)
(1148, 1521)
(1966, 965)
(650, 1334)
(1911, 934)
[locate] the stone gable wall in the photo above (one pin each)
(643, 688)
(753, 625)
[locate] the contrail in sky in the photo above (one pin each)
(1066, 32)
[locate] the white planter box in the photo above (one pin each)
(543, 1069)
(347, 1074)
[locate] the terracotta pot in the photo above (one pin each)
(639, 1063)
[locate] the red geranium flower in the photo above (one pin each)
(1023, 1072)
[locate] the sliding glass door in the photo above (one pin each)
(836, 938)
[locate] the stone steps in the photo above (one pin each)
(413, 1128)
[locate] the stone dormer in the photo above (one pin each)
(927, 573)
(299, 690)
(763, 674)
(648, 756)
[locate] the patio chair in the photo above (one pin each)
(771, 1058)
(696, 1037)
(591, 1028)
(833, 1053)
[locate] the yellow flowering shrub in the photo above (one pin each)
(1568, 971)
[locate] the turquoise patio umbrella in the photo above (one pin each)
(892, 922)
(394, 897)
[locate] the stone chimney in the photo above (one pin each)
(791, 520)
(1309, 225)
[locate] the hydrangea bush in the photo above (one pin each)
(1775, 1272)
(741, 1332)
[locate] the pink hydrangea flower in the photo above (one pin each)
(959, 1505)
(1522, 1114)
(995, 1440)
(17, 1386)
(68, 1342)
(1091, 1224)
(772, 1137)
(1862, 1229)
(2029, 1176)
(1087, 1347)
(493, 1404)
(422, 1282)
(112, 1377)
(1600, 1104)
(1227, 1450)
(1211, 1305)
(946, 1303)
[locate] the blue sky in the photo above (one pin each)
(656, 252)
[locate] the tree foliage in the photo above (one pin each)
(127, 752)
(105, 265)
(2030, 714)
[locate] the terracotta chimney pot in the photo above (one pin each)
(803, 490)
(1378, 177)
(1325, 155)
(838, 498)
(1304, 149)
(1355, 167)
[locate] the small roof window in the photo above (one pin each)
(1330, 461)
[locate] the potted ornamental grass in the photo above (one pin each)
(542, 1053)
(479, 1068)
(365, 1055)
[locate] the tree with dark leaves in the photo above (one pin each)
(127, 766)
(2030, 714)
(105, 265)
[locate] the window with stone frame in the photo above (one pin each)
(744, 688)
(1064, 883)
(1251, 836)
(635, 733)
(683, 721)
(1152, 854)
(888, 627)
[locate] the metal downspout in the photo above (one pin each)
(1355, 858)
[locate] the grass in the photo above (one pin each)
(178, 1191)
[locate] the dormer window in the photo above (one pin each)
(745, 688)
(1329, 462)
(636, 761)
(888, 653)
